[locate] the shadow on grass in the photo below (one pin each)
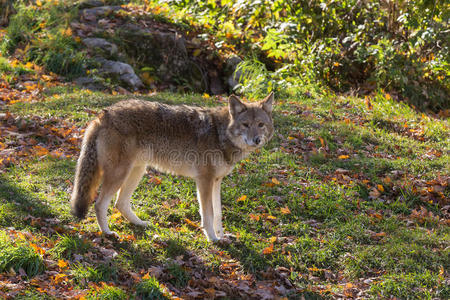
(17, 203)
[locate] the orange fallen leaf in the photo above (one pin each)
(387, 180)
(378, 235)
(193, 224)
(285, 210)
(242, 198)
(343, 156)
(155, 180)
(322, 142)
(255, 217)
(380, 188)
(275, 181)
(38, 249)
(58, 278)
(40, 151)
(268, 250)
(62, 263)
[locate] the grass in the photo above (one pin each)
(315, 208)
(67, 246)
(149, 289)
(108, 292)
(19, 257)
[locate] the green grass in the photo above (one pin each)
(67, 246)
(150, 289)
(18, 256)
(83, 274)
(108, 292)
(411, 286)
(334, 225)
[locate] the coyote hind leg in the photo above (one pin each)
(112, 180)
(123, 201)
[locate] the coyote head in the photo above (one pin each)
(251, 124)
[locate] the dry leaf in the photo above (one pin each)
(62, 263)
(285, 210)
(242, 198)
(268, 250)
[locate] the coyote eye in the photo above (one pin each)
(261, 125)
(245, 125)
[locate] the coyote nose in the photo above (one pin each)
(257, 140)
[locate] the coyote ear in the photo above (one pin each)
(267, 103)
(235, 105)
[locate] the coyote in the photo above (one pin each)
(201, 143)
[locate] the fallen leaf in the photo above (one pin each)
(255, 217)
(193, 224)
(242, 198)
(62, 263)
(285, 210)
(268, 250)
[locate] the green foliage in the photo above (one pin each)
(16, 256)
(100, 273)
(150, 289)
(400, 47)
(45, 34)
(67, 246)
(108, 292)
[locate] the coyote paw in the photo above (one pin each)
(142, 223)
(219, 233)
(110, 233)
(225, 240)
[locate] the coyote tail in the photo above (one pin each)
(88, 175)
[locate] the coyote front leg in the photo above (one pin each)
(205, 187)
(217, 208)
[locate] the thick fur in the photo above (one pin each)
(87, 176)
(201, 143)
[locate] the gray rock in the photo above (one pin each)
(235, 75)
(90, 83)
(164, 51)
(216, 86)
(102, 44)
(91, 14)
(124, 72)
(90, 3)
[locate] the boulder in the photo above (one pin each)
(90, 4)
(124, 72)
(91, 14)
(234, 74)
(102, 45)
(90, 83)
(164, 51)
